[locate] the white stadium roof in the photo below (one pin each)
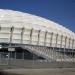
(9, 18)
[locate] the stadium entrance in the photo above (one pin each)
(18, 56)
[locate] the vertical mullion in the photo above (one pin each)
(56, 45)
(61, 45)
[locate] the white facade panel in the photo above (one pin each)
(5, 29)
(5, 35)
(34, 38)
(54, 40)
(16, 41)
(17, 30)
(13, 22)
(67, 43)
(34, 42)
(48, 44)
(26, 31)
(41, 43)
(71, 44)
(26, 41)
(4, 40)
(16, 36)
(26, 37)
(74, 45)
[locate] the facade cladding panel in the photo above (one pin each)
(23, 28)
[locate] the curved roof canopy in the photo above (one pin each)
(10, 18)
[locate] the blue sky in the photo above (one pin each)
(60, 11)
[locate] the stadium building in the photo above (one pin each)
(25, 36)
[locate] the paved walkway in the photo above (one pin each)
(57, 71)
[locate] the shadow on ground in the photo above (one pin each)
(4, 73)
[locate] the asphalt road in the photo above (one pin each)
(54, 71)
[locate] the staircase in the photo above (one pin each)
(47, 53)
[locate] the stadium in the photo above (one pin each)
(26, 36)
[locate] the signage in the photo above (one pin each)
(11, 49)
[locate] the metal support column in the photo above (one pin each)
(69, 46)
(11, 34)
(51, 43)
(0, 27)
(74, 52)
(51, 39)
(10, 52)
(45, 38)
(61, 46)
(31, 35)
(38, 37)
(72, 49)
(65, 48)
(22, 33)
(56, 44)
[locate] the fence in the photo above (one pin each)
(18, 60)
